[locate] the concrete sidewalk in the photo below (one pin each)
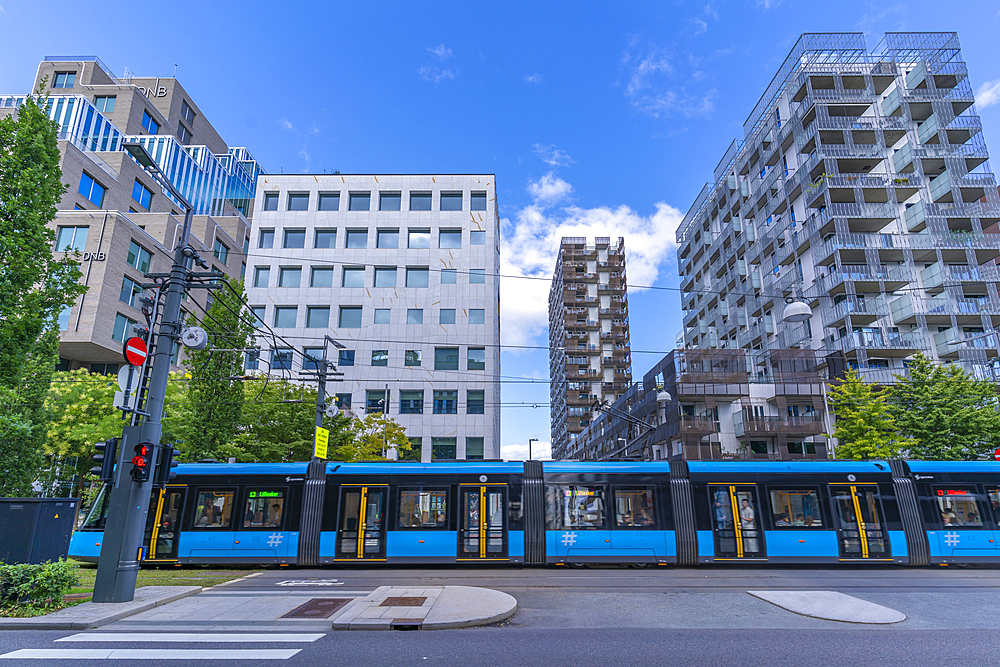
(431, 608)
(92, 615)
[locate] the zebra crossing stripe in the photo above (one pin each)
(220, 638)
(150, 654)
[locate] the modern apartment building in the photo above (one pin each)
(116, 214)
(716, 404)
(401, 270)
(862, 186)
(589, 355)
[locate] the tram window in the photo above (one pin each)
(994, 501)
(99, 510)
(957, 507)
(214, 509)
(575, 507)
(423, 508)
(797, 508)
(265, 508)
(634, 508)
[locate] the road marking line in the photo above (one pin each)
(226, 583)
(151, 654)
(190, 637)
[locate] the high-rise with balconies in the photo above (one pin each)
(861, 186)
(589, 356)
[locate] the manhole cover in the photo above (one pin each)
(403, 602)
(318, 608)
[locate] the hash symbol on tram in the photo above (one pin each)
(274, 539)
(569, 539)
(951, 539)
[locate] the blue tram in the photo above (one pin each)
(685, 512)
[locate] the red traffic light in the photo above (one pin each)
(141, 463)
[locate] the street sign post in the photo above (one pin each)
(135, 351)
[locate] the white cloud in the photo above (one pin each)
(552, 156)
(533, 78)
(988, 94)
(549, 190)
(700, 26)
(652, 87)
(531, 243)
(286, 124)
(710, 11)
(441, 51)
(436, 74)
(769, 4)
(305, 155)
(540, 451)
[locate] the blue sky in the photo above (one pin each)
(597, 118)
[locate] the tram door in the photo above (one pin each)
(482, 522)
(362, 523)
(861, 531)
(164, 528)
(736, 522)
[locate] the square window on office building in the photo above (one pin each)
(449, 276)
(380, 357)
(251, 360)
(350, 317)
(359, 201)
(389, 201)
(376, 400)
(326, 238)
(270, 201)
(477, 316)
(446, 358)
(322, 276)
(418, 238)
(385, 276)
(123, 328)
(290, 276)
(298, 201)
(478, 201)
(451, 201)
(141, 194)
(318, 317)
(149, 123)
(477, 359)
(420, 201)
(387, 238)
(477, 276)
(295, 238)
(281, 359)
(75, 238)
(450, 239)
(357, 238)
(447, 316)
(445, 402)
(475, 402)
(258, 313)
(91, 189)
(382, 315)
(266, 238)
(183, 134)
(64, 80)
(261, 276)
(416, 276)
(415, 451)
(285, 316)
(415, 316)
(477, 237)
(345, 358)
(444, 448)
(105, 103)
(411, 402)
(312, 358)
(221, 251)
(354, 276)
(411, 358)
(329, 201)
(343, 401)
(474, 449)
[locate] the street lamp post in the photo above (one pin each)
(531, 440)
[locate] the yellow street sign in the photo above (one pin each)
(322, 439)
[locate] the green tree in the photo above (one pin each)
(279, 423)
(35, 287)
(948, 414)
(865, 428)
(371, 438)
(215, 392)
(80, 405)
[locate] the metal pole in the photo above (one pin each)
(315, 482)
(826, 422)
(118, 566)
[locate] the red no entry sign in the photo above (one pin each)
(135, 351)
(996, 455)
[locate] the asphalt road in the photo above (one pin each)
(653, 616)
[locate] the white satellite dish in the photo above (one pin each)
(194, 338)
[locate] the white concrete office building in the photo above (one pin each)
(402, 271)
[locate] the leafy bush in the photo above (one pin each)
(36, 585)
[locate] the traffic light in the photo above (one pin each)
(163, 467)
(142, 461)
(105, 458)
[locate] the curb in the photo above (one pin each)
(102, 613)
(446, 604)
